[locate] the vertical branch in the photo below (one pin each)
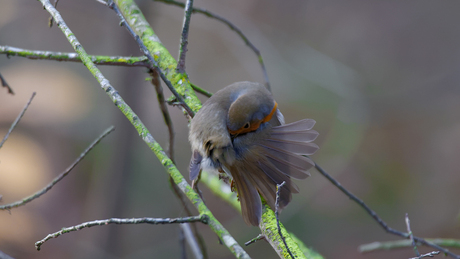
(184, 37)
(164, 110)
(277, 202)
(233, 28)
(170, 150)
(411, 235)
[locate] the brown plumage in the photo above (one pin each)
(241, 131)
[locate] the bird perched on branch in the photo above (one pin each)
(240, 131)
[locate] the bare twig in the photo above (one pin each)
(430, 254)
(277, 204)
(5, 84)
(51, 19)
(167, 118)
(60, 177)
(411, 235)
(182, 244)
(164, 110)
(252, 241)
(404, 243)
(5, 256)
(184, 37)
(17, 120)
(201, 90)
(102, 2)
(192, 242)
(232, 27)
(153, 62)
(377, 218)
(155, 221)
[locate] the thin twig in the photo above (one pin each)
(377, 218)
(17, 120)
(60, 177)
(164, 110)
(257, 238)
(167, 118)
(184, 37)
(5, 84)
(103, 2)
(182, 244)
(192, 242)
(5, 256)
(51, 19)
(277, 204)
(153, 62)
(411, 235)
(73, 57)
(430, 254)
(201, 90)
(232, 27)
(404, 243)
(154, 221)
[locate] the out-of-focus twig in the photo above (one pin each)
(404, 243)
(17, 120)
(5, 84)
(379, 220)
(59, 177)
(411, 235)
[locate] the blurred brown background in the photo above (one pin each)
(381, 78)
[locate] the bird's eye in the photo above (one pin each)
(247, 125)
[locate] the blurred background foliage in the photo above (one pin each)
(379, 77)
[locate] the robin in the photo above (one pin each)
(240, 131)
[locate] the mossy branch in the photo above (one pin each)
(215, 225)
(73, 57)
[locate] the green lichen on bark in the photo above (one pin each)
(270, 231)
(166, 62)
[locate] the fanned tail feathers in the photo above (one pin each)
(272, 161)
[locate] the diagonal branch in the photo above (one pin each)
(17, 120)
(153, 62)
(215, 225)
(376, 217)
(59, 177)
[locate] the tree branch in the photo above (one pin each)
(131, 9)
(73, 57)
